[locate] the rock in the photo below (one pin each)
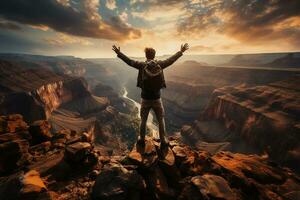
(3, 125)
(94, 174)
(294, 195)
(12, 123)
(60, 138)
(166, 156)
(42, 147)
(158, 185)
(189, 162)
(244, 167)
(91, 159)
(74, 139)
(104, 159)
(21, 135)
(48, 164)
(144, 156)
(78, 151)
(13, 154)
(86, 137)
(189, 192)
(10, 186)
(81, 171)
(32, 183)
(168, 166)
(27, 186)
(180, 153)
(117, 183)
(211, 186)
(40, 131)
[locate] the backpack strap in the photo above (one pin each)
(151, 73)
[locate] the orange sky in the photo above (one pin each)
(88, 28)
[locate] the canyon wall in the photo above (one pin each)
(183, 102)
(36, 93)
(265, 117)
(67, 103)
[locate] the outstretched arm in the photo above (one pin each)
(172, 59)
(128, 61)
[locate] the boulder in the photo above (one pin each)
(213, 187)
(12, 123)
(157, 184)
(50, 165)
(144, 156)
(13, 155)
(168, 166)
(21, 135)
(32, 183)
(60, 138)
(180, 153)
(78, 151)
(40, 131)
(188, 161)
(41, 148)
(117, 183)
(27, 186)
(86, 137)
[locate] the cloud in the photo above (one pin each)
(201, 48)
(249, 21)
(167, 10)
(63, 39)
(75, 18)
(9, 25)
(111, 4)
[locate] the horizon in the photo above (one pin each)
(115, 57)
(89, 28)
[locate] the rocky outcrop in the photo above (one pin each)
(191, 84)
(70, 166)
(63, 100)
(178, 172)
(264, 117)
(36, 98)
(31, 168)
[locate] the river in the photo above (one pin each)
(150, 124)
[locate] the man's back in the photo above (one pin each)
(151, 80)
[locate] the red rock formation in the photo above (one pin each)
(76, 169)
(178, 172)
(265, 117)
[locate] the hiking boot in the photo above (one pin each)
(141, 141)
(164, 143)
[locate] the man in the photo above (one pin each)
(151, 81)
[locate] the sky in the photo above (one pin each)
(88, 28)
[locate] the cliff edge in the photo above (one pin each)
(38, 164)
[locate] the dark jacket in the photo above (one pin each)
(140, 65)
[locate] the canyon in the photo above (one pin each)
(66, 102)
(72, 123)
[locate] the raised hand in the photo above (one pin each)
(116, 49)
(184, 47)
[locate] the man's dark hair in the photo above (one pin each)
(150, 53)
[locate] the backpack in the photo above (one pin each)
(152, 76)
